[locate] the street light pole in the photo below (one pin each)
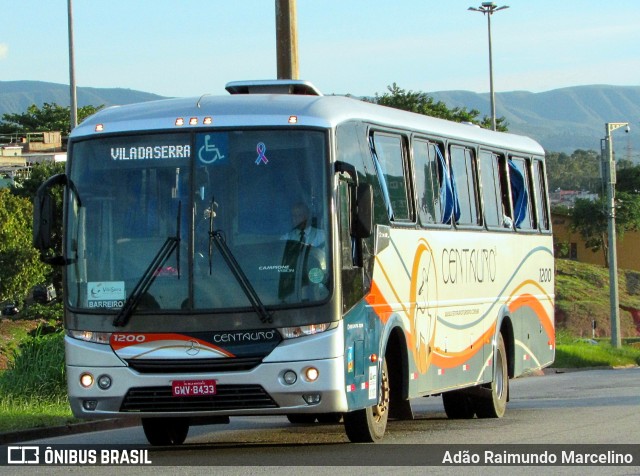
(489, 8)
(610, 179)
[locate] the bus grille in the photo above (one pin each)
(193, 365)
(227, 397)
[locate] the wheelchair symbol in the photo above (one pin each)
(212, 153)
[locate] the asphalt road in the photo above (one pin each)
(575, 408)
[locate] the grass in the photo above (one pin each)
(22, 413)
(572, 352)
(582, 295)
(33, 388)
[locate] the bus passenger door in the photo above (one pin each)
(362, 329)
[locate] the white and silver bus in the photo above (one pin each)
(279, 252)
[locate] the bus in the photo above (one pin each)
(275, 251)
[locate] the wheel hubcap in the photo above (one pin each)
(383, 404)
(499, 377)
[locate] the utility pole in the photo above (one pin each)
(287, 39)
(73, 102)
(610, 182)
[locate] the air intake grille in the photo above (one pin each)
(227, 397)
(194, 365)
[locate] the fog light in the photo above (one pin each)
(104, 382)
(90, 404)
(86, 380)
(312, 399)
(290, 377)
(312, 374)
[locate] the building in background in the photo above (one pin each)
(19, 152)
(569, 244)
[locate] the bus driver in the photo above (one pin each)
(302, 230)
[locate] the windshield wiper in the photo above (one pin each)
(217, 238)
(171, 244)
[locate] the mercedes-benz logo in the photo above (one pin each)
(193, 348)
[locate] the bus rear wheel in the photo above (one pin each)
(329, 418)
(458, 405)
(496, 404)
(301, 418)
(369, 424)
(165, 431)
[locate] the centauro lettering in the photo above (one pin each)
(468, 265)
(243, 336)
(151, 152)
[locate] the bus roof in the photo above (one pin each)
(256, 110)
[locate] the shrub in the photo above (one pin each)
(36, 370)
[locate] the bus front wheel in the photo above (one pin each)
(369, 424)
(165, 431)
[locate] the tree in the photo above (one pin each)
(591, 219)
(50, 117)
(422, 103)
(20, 266)
(629, 181)
(578, 171)
(581, 171)
(26, 188)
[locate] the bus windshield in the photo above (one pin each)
(262, 192)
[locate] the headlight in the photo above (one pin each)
(86, 380)
(299, 331)
(90, 336)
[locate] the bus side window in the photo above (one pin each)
(448, 199)
(428, 180)
(521, 193)
(389, 157)
(540, 195)
(463, 168)
(507, 206)
(494, 213)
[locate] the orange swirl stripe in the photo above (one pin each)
(443, 359)
(448, 360)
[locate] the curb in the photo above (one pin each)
(69, 429)
(554, 370)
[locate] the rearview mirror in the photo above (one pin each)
(44, 215)
(363, 226)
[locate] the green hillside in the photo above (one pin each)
(582, 294)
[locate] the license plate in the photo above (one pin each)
(193, 388)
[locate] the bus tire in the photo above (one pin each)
(301, 418)
(458, 405)
(165, 431)
(369, 424)
(496, 405)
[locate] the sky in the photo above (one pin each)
(181, 48)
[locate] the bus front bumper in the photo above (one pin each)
(267, 389)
